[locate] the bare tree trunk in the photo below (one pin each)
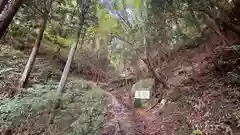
(63, 80)
(67, 68)
(158, 76)
(3, 3)
(7, 15)
(32, 57)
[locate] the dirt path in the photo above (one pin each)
(127, 121)
(192, 74)
(123, 119)
(120, 119)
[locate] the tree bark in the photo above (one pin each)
(32, 57)
(67, 68)
(3, 3)
(7, 15)
(63, 80)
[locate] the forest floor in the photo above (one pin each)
(201, 100)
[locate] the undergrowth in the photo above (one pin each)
(28, 104)
(82, 107)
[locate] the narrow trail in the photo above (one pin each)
(120, 119)
(183, 74)
(123, 119)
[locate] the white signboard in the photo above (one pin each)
(142, 94)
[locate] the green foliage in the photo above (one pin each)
(87, 106)
(107, 23)
(60, 41)
(60, 29)
(27, 105)
(26, 21)
(135, 4)
(81, 100)
(64, 19)
(125, 32)
(89, 124)
(82, 109)
(183, 21)
(197, 132)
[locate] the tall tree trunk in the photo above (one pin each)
(159, 77)
(63, 80)
(3, 3)
(32, 57)
(7, 15)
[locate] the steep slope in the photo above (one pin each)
(201, 100)
(82, 109)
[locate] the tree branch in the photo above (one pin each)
(37, 9)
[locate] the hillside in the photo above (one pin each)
(119, 67)
(200, 98)
(28, 112)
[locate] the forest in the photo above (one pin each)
(119, 67)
